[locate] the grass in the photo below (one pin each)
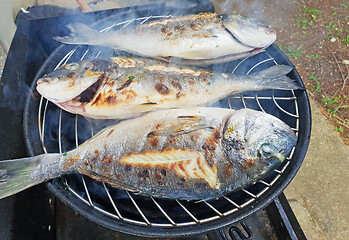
(333, 104)
(317, 86)
(290, 52)
(336, 31)
(338, 129)
(346, 40)
(313, 12)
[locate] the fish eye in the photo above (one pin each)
(72, 66)
(266, 150)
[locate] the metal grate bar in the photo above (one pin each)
(243, 102)
(232, 202)
(286, 165)
(261, 192)
(259, 104)
(87, 192)
(146, 19)
(60, 131)
(112, 202)
(43, 128)
(275, 179)
(213, 208)
(292, 115)
(291, 153)
(247, 203)
(76, 131)
(266, 184)
(249, 193)
(236, 67)
(163, 212)
(187, 211)
(261, 62)
(66, 58)
(83, 56)
(77, 195)
(265, 98)
(138, 209)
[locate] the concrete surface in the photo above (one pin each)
(319, 193)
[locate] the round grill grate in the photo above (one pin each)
(49, 129)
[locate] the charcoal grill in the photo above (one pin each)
(48, 129)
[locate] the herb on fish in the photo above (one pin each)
(64, 154)
(131, 77)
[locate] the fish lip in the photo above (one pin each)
(80, 109)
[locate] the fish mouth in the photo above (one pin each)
(77, 104)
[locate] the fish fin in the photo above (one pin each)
(275, 78)
(19, 174)
(80, 34)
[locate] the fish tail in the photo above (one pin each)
(19, 174)
(275, 78)
(80, 34)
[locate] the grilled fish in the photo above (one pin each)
(195, 153)
(129, 87)
(200, 39)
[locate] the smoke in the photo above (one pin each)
(251, 8)
(273, 13)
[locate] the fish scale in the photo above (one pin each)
(132, 86)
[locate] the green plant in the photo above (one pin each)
(301, 21)
(338, 129)
(292, 52)
(330, 101)
(334, 100)
(344, 5)
(314, 56)
(317, 86)
(313, 13)
(346, 40)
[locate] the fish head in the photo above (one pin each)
(260, 141)
(249, 31)
(70, 80)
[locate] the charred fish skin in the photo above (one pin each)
(131, 86)
(188, 154)
(201, 39)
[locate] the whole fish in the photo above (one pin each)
(200, 39)
(129, 87)
(195, 153)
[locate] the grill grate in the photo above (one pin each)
(129, 207)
